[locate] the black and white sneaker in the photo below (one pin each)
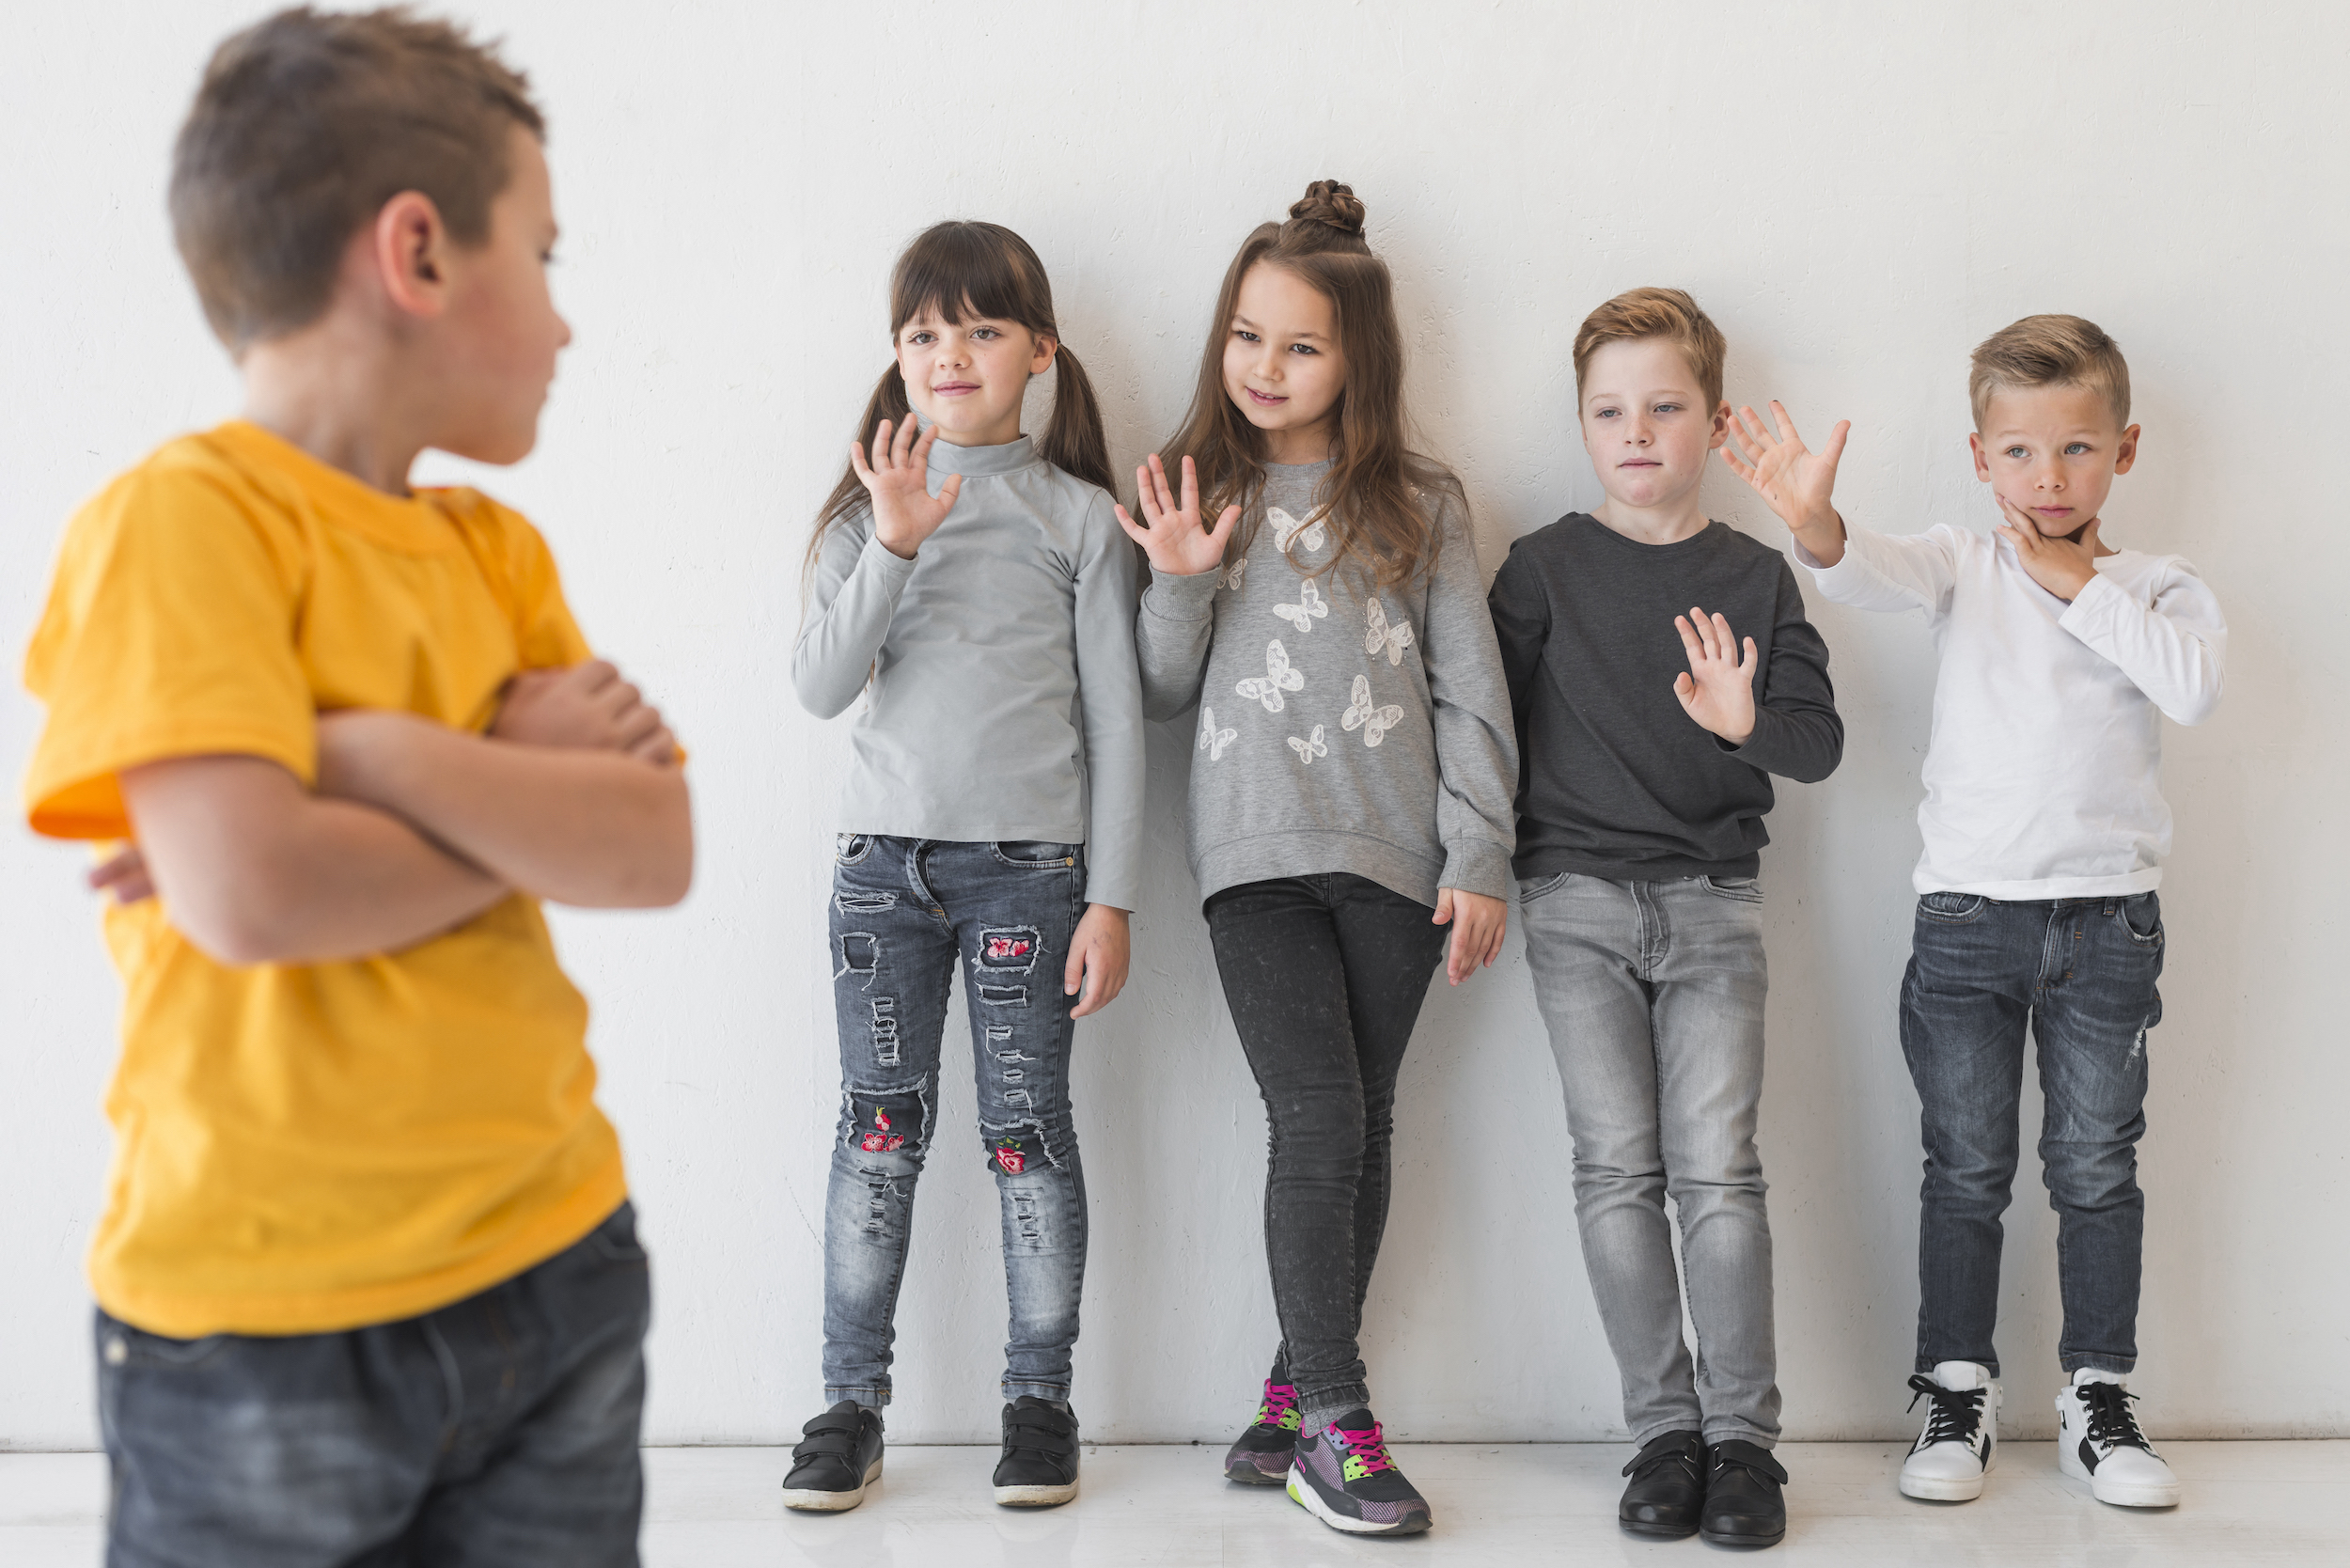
(1040, 1464)
(838, 1456)
(2099, 1442)
(1955, 1451)
(1344, 1477)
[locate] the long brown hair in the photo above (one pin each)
(964, 270)
(1367, 497)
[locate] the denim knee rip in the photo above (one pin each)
(860, 955)
(1017, 1148)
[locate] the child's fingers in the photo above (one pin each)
(908, 428)
(947, 491)
(1784, 421)
(1834, 450)
(1746, 665)
(883, 434)
(1073, 973)
(1686, 689)
(1191, 486)
(857, 460)
(1223, 529)
(1138, 534)
(1725, 645)
(1751, 424)
(1444, 906)
(1689, 643)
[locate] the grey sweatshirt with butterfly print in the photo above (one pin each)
(1336, 729)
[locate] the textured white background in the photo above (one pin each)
(1858, 193)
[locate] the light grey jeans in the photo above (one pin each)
(1652, 992)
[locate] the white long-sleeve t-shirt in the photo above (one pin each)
(2042, 776)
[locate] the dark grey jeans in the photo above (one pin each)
(497, 1433)
(906, 912)
(1653, 992)
(2080, 973)
(1325, 976)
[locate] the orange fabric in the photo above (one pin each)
(303, 1148)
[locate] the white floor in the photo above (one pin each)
(1168, 1508)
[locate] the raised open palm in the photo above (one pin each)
(1795, 481)
(1171, 533)
(1717, 688)
(897, 478)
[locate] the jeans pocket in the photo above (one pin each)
(1035, 855)
(1952, 909)
(1745, 889)
(850, 848)
(2141, 917)
(1540, 886)
(119, 1344)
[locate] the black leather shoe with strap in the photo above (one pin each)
(1038, 1469)
(1743, 1506)
(838, 1456)
(1667, 1488)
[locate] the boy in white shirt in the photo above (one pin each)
(2044, 831)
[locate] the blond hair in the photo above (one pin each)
(2050, 351)
(1666, 313)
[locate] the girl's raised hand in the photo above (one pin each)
(905, 512)
(1795, 481)
(1171, 534)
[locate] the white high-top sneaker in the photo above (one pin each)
(2099, 1442)
(1953, 1454)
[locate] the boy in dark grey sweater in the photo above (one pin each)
(1639, 836)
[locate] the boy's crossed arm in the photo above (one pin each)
(416, 827)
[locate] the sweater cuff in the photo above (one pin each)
(1188, 596)
(1845, 576)
(1764, 747)
(882, 562)
(2090, 611)
(1477, 866)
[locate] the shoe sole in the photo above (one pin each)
(1307, 1498)
(1034, 1497)
(2119, 1495)
(1723, 1538)
(809, 1501)
(1248, 1475)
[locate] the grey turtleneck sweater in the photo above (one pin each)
(1339, 729)
(998, 663)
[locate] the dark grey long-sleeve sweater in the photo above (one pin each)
(1614, 779)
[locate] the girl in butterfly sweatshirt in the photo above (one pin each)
(1350, 817)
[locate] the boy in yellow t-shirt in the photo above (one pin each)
(369, 1281)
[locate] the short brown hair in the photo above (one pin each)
(2050, 351)
(1666, 313)
(305, 125)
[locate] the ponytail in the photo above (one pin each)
(1073, 440)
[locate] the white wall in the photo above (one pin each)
(1858, 193)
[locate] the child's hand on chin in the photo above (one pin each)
(2052, 560)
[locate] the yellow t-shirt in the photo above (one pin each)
(301, 1147)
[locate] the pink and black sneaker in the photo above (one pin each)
(1261, 1457)
(1343, 1477)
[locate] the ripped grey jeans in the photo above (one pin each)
(904, 913)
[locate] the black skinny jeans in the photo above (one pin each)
(1325, 976)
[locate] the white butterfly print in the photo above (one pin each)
(1308, 608)
(1277, 678)
(1373, 722)
(1286, 527)
(1231, 577)
(1311, 747)
(1211, 740)
(1395, 639)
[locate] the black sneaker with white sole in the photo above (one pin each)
(838, 1456)
(1038, 1469)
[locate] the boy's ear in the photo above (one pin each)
(1982, 462)
(409, 245)
(2126, 454)
(1721, 427)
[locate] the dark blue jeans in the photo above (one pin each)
(500, 1431)
(2081, 973)
(906, 911)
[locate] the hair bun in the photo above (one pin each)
(1327, 201)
